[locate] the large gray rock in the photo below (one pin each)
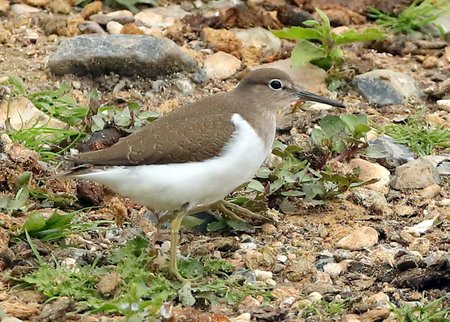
(416, 174)
(389, 153)
(125, 55)
(386, 87)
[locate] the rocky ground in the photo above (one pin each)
(374, 253)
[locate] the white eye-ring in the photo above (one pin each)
(276, 84)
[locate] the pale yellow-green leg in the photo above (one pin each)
(174, 238)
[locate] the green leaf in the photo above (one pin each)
(24, 179)
(332, 125)
(326, 27)
(351, 121)
(338, 146)
(35, 221)
(185, 295)
(255, 185)
(352, 35)
(318, 137)
(361, 130)
(239, 225)
(306, 51)
(296, 33)
(311, 23)
(263, 173)
(313, 190)
(216, 226)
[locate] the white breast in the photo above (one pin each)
(169, 186)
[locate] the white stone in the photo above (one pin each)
(114, 27)
(11, 319)
(282, 258)
(443, 103)
(221, 65)
(244, 317)
(369, 170)
(120, 14)
(421, 228)
(152, 19)
(315, 297)
(70, 264)
(262, 275)
(22, 9)
(260, 38)
(23, 114)
(333, 269)
(271, 282)
(248, 246)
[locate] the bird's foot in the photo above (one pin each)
(239, 213)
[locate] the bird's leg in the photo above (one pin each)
(174, 239)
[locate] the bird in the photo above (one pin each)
(194, 156)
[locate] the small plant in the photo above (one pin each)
(321, 46)
(420, 137)
(20, 200)
(128, 119)
(416, 15)
(342, 136)
(338, 138)
(434, 311)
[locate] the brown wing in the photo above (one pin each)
(191, 133)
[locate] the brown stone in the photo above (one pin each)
(222, 40)
(91, 9)
(37, 3)
(60, 6)
(131, 29)
(4, 7)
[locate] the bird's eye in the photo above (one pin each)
(276, 84)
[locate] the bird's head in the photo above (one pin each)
(274, 88)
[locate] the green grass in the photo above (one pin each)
(325, 310)
(50, 143)
(415, 16)
(59, 103)
(420, 137)
(141, 291)
(427, 311)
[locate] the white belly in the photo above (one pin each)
(169, 186)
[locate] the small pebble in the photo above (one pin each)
(271, 282)
(282, 258)
(430, 192)
(315, 297)
(114, 27)
(262, 275)
(244, 317)
(421, 245)
(69, 263)
(333, 269)
(421, 228)
(268, 229)
(360, 238)
(248, 246)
